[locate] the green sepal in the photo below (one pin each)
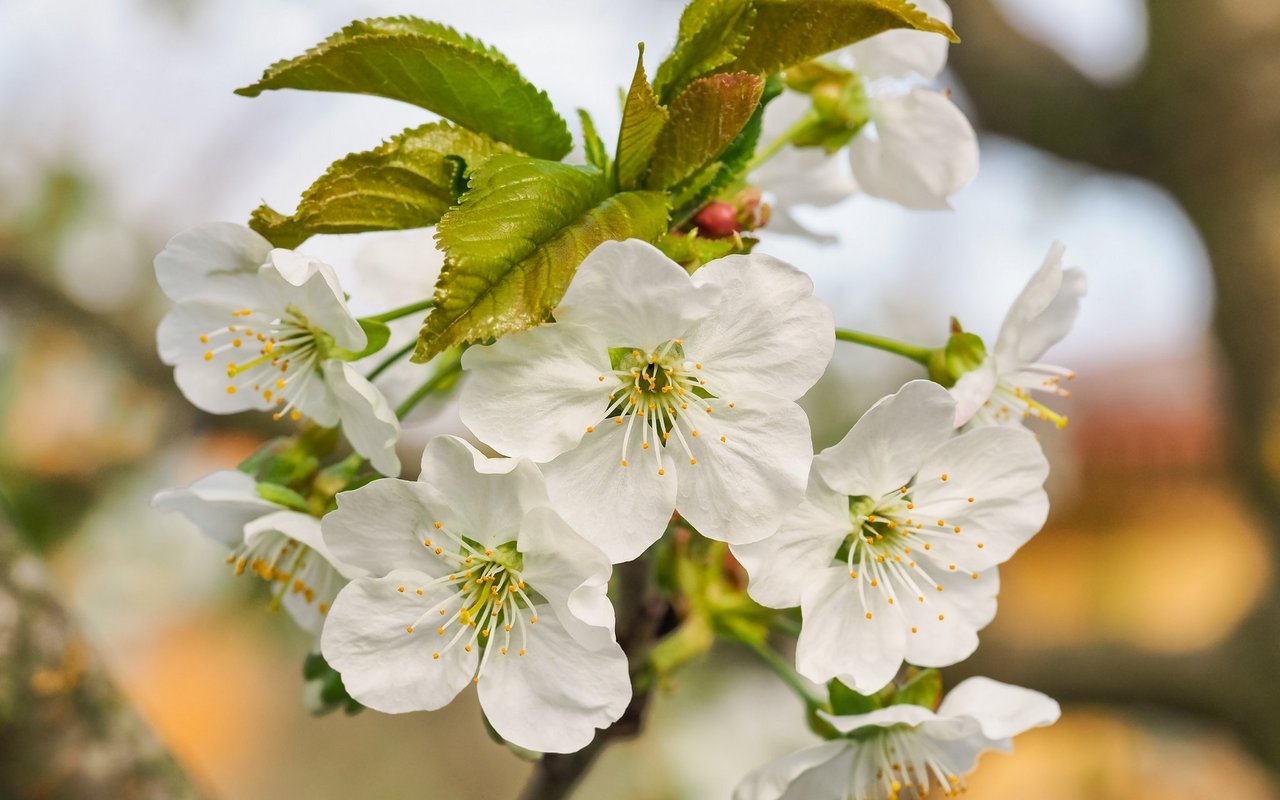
(846, 702)
(591, 143)
(692, 251)
(325, 691)
(515, 241)
(406, 182)
(922, 689)
(963, 353)
(283, 496)
(377, 334)
(432, 66)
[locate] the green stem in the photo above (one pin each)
(773, 148)
(444, 373)
(918, 354)
(402, 311)
(392, 359)
(783, 669)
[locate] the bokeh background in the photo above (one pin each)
(1145, 136)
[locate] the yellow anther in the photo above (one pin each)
(952, 567)
(981, 545)
(521, 651)
(956, 529)
(295, 415)
(941, 617)
(915, 629)
(662, 472)
(504, 651)
(208, 356)
(695, 433)
(591, 429)
(467, 648)
(400, 589)
(723, 439)
(644, 445)
(533, 620)
(204, 339)
(910, 506)
(869, 615)
(624, 462)
(970, 499)
(418, 592)
(235, 343)
(231, 390)
(436, 656)
(408, 629)
(944, 476)
(974, 576)
(693, 461)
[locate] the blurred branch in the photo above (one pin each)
(65, 731)
(1195, 121)
(640, 610)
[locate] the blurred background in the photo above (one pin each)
(1144, 136)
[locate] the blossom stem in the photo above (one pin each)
(448, 369)
(918, 354)
(392, 359)
(402, 311)
(773, 148)
(783, 669)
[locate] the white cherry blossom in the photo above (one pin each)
(893, 554)
(262, 328)
(902, 751)
(279, 545)
(916, 149)
(474, 579)
(1000, 390)
(656, 391)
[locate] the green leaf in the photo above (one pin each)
(704, 120)
(787, 32)
(642, 121)
(591, 143)
(515, 241)
(407, 182)
(711, 34)
(733, 162)
(432, 66)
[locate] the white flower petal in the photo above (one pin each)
(634, 296)
(511, 383)
(554, 697)
(205, 387)
(769, 333)
(903, 53)
(966, 605)
(304, 529)
(752, 466)
(838, 641)
(886, 717)
(381, 527)
(217, 262)
(1003, 470)
(1001, 709)
(921, 151)
(571, 573)
(367, 419)
(1042, 314)
(312, 286)
(771, 781)
(885, 447)
(781, 565)
(973, 389)
(220, 504)
(482, 498)
(383, 666)
(621, 510)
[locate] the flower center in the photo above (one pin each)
(487, 599)
(290, 566)
(658, 395)
(1013, 396)
(890, 550)
(282, 352)
(911, 763)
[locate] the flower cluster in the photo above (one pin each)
(649, 414)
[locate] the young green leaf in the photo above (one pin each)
(591, 143)
(642, 120)
(407, 182)
(788, 32)
(711, 34)
(730, 167)
(515, 241)
(432, 66)
(704, 120)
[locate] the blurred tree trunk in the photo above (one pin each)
(65, 732)
(1203, 120)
